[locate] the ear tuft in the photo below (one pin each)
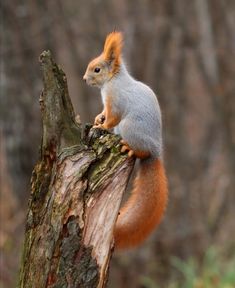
(113, 48)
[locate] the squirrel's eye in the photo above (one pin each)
(97, 70)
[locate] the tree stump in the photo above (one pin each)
(76, 191)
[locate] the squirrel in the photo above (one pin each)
(132, 109)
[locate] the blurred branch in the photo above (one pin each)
(71, 40)
(76, 191)
(207, 47)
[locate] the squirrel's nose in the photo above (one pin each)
(84, 78)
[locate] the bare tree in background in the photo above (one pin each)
(184, 50)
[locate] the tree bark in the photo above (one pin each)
(76, 191)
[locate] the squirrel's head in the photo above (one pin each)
(104, 67)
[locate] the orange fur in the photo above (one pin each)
(112, 50)
(141, 154)
(111, 119)
(145, 207)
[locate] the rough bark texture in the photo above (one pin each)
(76, 191)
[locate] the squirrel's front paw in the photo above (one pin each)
(99, 120)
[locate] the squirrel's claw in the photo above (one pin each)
(99, 120)
(130, 153)
(126, 148)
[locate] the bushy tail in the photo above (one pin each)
(145, 207)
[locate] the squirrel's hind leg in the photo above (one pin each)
(126, 148)
(131, 152)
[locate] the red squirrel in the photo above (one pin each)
(132, 109)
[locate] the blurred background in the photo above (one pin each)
(185, 50)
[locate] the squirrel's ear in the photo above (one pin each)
(113, 48)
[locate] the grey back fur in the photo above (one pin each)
(138, 107)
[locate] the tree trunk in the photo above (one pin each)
(76, 191)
